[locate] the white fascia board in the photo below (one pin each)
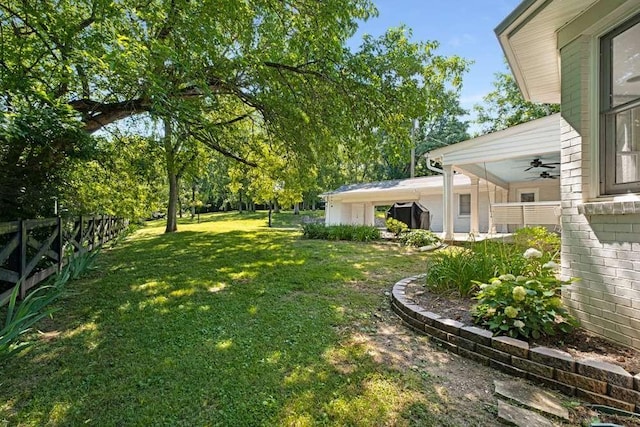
(529, 39)
(535, 137)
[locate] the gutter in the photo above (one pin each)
(431, 167)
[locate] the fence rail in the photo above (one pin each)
(31, 250)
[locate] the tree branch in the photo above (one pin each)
(207, 139)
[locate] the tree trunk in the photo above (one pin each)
(193, 201)
(276, 207)
(296, 209)
(172, 175)
(240, 202)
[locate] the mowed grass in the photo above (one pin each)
(226, 322)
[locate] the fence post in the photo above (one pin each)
(102, 229)
(22, 258)
(93, 232)
(81, 235)
(59, 244)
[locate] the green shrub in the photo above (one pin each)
(359, 233)
(527, 305)
(539, 238)
(395, 226)
(419, 238)
(315, 231)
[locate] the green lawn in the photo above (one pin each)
(226, 322)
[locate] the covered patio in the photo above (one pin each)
(520, 167)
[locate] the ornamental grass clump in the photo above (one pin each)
(526, 305)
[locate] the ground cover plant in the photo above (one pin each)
(227, 322)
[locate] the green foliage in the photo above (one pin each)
(419, 238)
(125, 178)
(395, 226)
(20, 316)
(356, 233)
(505, 106)
(539, 238)
(39, 145)
(526, 305)
(454, 270)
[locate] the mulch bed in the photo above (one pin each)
(580, 343)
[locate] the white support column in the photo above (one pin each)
(492, 199)
(474, 226)
(369, 214)
(447, 202)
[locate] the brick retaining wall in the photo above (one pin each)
(598, 382)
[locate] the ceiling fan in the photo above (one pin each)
(537, 163)
(547, 175)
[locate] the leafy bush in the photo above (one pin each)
(419, 238)
(539, 238)
(457, 270)
(395, 226)
(527, 305)
(21, 316)
(359, 233)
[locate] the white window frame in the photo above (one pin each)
(607, 115)
(460, 214)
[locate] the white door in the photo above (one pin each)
(357, 213)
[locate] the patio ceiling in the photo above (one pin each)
(502, 157)
(511, 170)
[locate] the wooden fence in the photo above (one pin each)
(33, 249)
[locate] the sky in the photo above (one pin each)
(462, 27)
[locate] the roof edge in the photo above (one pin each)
(503, 133)
(513, 16)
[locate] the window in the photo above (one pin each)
(620, 109)
(527, 195)
(464, 204)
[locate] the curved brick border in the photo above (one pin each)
(595, 381)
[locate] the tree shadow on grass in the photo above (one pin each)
(233, 328)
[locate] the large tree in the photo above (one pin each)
(505, 106)
(200, 66)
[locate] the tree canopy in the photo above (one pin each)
(206, 69)
(505, 106)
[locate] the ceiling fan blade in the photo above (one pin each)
(548, 166)
(529, 168)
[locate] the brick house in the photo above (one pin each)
(585, 55)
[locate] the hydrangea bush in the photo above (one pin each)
(527, 305)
